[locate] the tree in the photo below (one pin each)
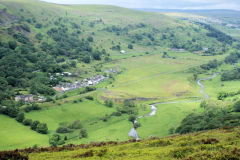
(20, 117)
(237, 106)
(42, 128)
(34, 125)
(130, 46)
(132, 118)
(83, 133)
(27, 122)
(12, 45)
(55, 140)
(75, 125)
(90, 39)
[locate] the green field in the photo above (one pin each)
(15, 135)
(223, 144)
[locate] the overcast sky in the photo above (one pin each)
(161, 4)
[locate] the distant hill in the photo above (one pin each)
(51, 38)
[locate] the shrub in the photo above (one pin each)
(20, 117)
(89, 98)
(237, 106)
(27, 122)
(34, 125)
(83, 133)
(42, 128)
(132, 118)
(75, 125)
(62, 129)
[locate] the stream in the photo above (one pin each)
(133, 133)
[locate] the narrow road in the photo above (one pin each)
(133, 133)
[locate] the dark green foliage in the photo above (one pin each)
(231, 75)
(20, 117)
(56, 140)
(29, 108)
(27, 122)
(108, 103)
(236, 106)
(211, 65)
(137, 125)
(232, 58)
(220, 36)
(38, 25)
(12, 45)
(83, 133)
(39, 36)
(42, 128)
(75, 125)
(10, 109)
(90, 39)
(213, 117)
(63, 129)
(130, 46)
(34, 125)
(132, 118)
(89, 98)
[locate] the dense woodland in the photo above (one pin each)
(212, 117)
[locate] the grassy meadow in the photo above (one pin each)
(213, 144)
(15, 135)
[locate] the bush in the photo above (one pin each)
(109, 103)
(130, 46)
(34, 125)
(132, 118)
(55, 140)
(137, 125)
(237, 106)
(42, 128)
(75, 125)
(20, 117)
(89, 98)
(83, 133)
(27, 122)
(62, 129)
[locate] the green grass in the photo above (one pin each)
(167, 116)
(214, 144)
(15, 135)
(90, 114)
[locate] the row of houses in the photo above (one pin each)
(79, 84)
(29, 98)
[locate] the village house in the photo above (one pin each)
(25, 98)
(79, 84)
(123, 52)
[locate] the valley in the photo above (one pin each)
(79, 75)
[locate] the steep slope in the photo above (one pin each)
(214, 144)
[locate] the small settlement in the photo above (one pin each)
(29, 98)
(79, 84)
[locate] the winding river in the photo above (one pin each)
(133, 133)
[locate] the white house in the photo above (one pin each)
(123, 52)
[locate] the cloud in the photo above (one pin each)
(163, 4)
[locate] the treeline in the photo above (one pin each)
(220, 36)
(12, 109)
(32, 65)
(211, 65)
(64, 128)
(212, 117)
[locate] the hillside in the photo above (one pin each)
(214, 145)
(77, 74)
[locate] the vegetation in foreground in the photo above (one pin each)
(214, 144)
